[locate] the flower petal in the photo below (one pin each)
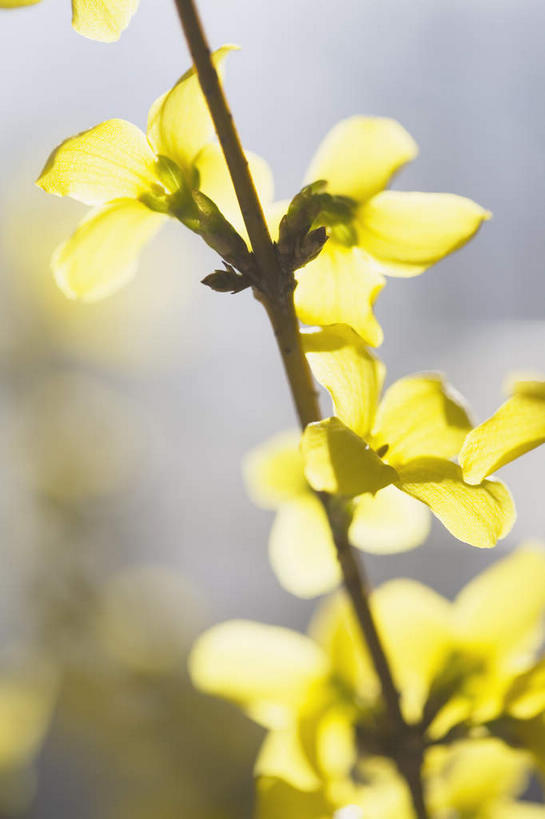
(102, 20)
(359, 156)
(101, 256)
(408, 232)
(13, 4)
(257, 665)
(472, 774)
(339, 462)
(414, 622)
(483, 616)
(419, 416)
(179, 123)
(274, 472)
(340, 287)
(216, 182)
(342, 363)
(478, 515)
(110, 161)
(388, 522)
(515, 428)
(302, 551)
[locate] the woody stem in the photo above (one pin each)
(276, 293)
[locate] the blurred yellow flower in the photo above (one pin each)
(320, 699)
(102, 20)
(373, 231)
(135, 183)
(301, 549)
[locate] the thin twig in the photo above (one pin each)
(277, 297)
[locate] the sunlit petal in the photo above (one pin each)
(110, 161)
(408, 232)
(479, 515)
(388, 522)
(274, 471)
(419, 416)
(339, 462)
(360, 154)
(179, 123)
(515, 428)
(255, 664)
(301, 547)
(342, 363)
(483, 613)
(102, 19)
(101, 256)
(340, 287)
(216, 183)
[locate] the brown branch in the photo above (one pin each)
(276, 294)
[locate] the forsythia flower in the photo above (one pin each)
(373, 231)
(406, 440)
(320, 699)
(98, 19)
(136, 183)
(473, 780)
(301, 548)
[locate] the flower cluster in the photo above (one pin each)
(467, 673)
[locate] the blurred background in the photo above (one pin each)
(125, 529)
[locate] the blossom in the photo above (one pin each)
(319, 698)
(136, 182)
(372, 231)
(301, 548)
(104, 20)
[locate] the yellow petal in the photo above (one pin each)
(408, 232)
(282, 756)
(335, 628)
(340, 287)
(101, 256)
(341, 362)
(216, 183)
(526, 696)
(479, 515)
(277, 798)
(360, 154)
(274, 472)
(388, 522)
(257, 665)
(102, 20)
(179, 123)
(338, 461)
(110, 161)
(419, 416)
(517, 810)
(476, 774)
(13, 4)
(414, 622)
(515, 428)
(301, 548)
(485, 619)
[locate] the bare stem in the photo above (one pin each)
(276, 294)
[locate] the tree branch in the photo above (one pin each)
(276, 294)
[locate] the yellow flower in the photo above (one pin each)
(135, 183)
(320, 699)
(373, 231)
(406, 440)
(301, 549)
(98, 19)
